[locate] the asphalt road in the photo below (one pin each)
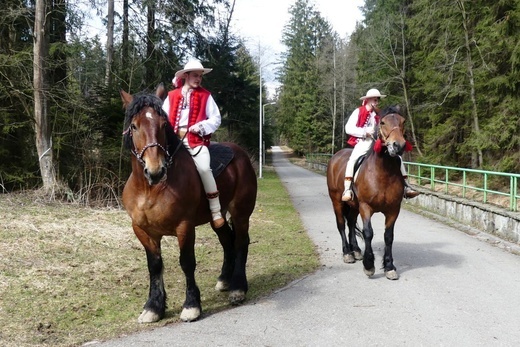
(454, 290)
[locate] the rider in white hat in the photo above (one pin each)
(194, 115)
(361, 128)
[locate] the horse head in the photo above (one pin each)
(146, 134)
(391, 130)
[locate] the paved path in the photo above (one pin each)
(454, 290)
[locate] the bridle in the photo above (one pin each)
(382, 135)
(385, 137)
(139, 156)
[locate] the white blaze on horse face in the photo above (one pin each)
(149, 115)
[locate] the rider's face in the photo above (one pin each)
(371, 103)
(194, 78)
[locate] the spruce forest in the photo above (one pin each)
(454, 66)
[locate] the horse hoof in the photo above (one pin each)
(358, 255)
(222, 286)
(236, 297)
(349, 258)
(190, 314)
(148, 317)
(369, 272)
(392, 275)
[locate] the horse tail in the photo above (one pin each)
(359, 232)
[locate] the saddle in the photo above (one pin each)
(221, 155)
(357, 165)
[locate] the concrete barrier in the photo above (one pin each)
(487, 218)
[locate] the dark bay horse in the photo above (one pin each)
(164, 196)
(378, 187)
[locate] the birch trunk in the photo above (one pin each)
(40, 84)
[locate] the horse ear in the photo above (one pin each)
(127, 98)
(161, 92)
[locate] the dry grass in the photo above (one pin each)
(70, 274)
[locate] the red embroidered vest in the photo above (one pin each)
(363, 117)
(199, 99)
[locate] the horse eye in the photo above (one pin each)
(133, 127)
(382, 123)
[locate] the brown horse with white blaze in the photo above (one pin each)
(164, 197)
(378, 187)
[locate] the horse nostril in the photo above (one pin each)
(161, 174)
(397, 146)
(155, 176)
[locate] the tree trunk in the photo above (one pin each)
(334, 107)
(228, 23)
(125, 74)
(151, 63)
(41, 117)
(404, 83)
(110, 45)
(476, 156)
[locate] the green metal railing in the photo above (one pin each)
(477, 185)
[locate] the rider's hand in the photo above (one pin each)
(195, 129)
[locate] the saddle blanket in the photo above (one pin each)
(221, 156)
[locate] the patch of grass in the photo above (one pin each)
(70, 274)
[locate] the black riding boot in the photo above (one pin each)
(409, 192)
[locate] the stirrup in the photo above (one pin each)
(347, 195)
(217, 219)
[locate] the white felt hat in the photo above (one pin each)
(372, 93)
(192, 65)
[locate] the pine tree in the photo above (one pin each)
(303, 114)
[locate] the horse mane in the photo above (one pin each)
(390, 110)
(140, 101)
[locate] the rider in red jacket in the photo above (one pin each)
(194, 116)
(361, 127)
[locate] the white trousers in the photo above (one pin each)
(360, 149)
(201, 157)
